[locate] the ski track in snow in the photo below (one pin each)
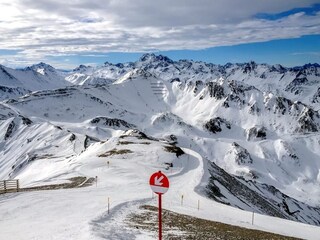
(87, 206)
(185, 182)
(111, 226)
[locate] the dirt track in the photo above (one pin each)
(177, 226)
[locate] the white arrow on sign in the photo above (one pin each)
(157, 181)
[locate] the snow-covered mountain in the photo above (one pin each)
(255, 128)
(17, 82)
(298, 82)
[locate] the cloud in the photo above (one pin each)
(164, 13)
(45, 28)
(317, 54)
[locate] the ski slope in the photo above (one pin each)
(82, 213)
(50, 136)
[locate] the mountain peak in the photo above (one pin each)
(43, 65)
(147, 56)
(151, 57)
(81, 68)
(311, 65)
(40, 68)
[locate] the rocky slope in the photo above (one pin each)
(256, 125)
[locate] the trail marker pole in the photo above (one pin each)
(252, 218)
(160, 216)
(108, 205)
(159, 184)
(182, 200)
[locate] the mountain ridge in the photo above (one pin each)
(261, 137)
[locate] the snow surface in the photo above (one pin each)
(82, 213)
(64, 140)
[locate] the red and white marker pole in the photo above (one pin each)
(160, 216)
(159, 184)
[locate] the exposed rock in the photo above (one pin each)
(136, 133)
(316, 96)
(282, 105)
(26, 121)
(72, 137)
(254, 196)
(215, 90)
(174, 149)
(112, 122)
(198, 85)
(175, 80)
(307, 121)
(239, 88)
(294, 86)
(256, 133)
(168, 118)
(172, 139)
(235, 99)
(235, 187)
(278, 68)
(151, 57)
(254, 109)
(54, 93)
(216, 125)
(89, 140)
(287, 154)
(115, 151)
(142, 73)
(249, 67)
(240, 154)
(10, 130)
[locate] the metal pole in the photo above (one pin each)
(108, 205)
(252, 217)
(160, 218)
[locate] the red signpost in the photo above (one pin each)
(159, 184)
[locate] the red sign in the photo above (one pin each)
(159, 183)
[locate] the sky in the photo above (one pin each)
(68, 33)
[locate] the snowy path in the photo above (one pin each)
(113, 226)
(190, 183)
(187, 182)
(82, 213)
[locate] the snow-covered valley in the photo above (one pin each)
(238, 138)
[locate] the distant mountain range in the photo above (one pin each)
(255, 125)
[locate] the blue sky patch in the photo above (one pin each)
(8, 52)
(311, 11)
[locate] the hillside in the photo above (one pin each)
(239, 138)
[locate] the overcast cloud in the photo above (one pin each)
(40, 28)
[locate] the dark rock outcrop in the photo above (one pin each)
(242, 156)
(10, 130)
(216, 125)
(215, 90)
(257, 197)
(256, 133)
(112, 122)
